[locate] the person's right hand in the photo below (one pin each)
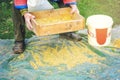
(28, 18)
(74, 9)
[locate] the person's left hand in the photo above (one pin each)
(74, 9)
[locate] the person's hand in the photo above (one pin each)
(74, 9)
(28, 18)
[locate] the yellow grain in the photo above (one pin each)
(116, 43)
(72, 57)
(66, 55)
(36, 58)
(54, 19)
(33, 65)
(21, 56)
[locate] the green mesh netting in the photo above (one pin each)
(55, 58)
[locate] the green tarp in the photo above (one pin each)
(55, 58)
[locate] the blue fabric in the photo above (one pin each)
(21, 7)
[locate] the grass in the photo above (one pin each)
(86, 8)
(107, 7)
(6, 26)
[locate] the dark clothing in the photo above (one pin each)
(19, 24)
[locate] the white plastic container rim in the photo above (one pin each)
(99, 21)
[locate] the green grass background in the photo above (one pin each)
(86, 8)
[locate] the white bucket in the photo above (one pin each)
(99, 30)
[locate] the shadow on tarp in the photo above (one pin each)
(56, 58)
